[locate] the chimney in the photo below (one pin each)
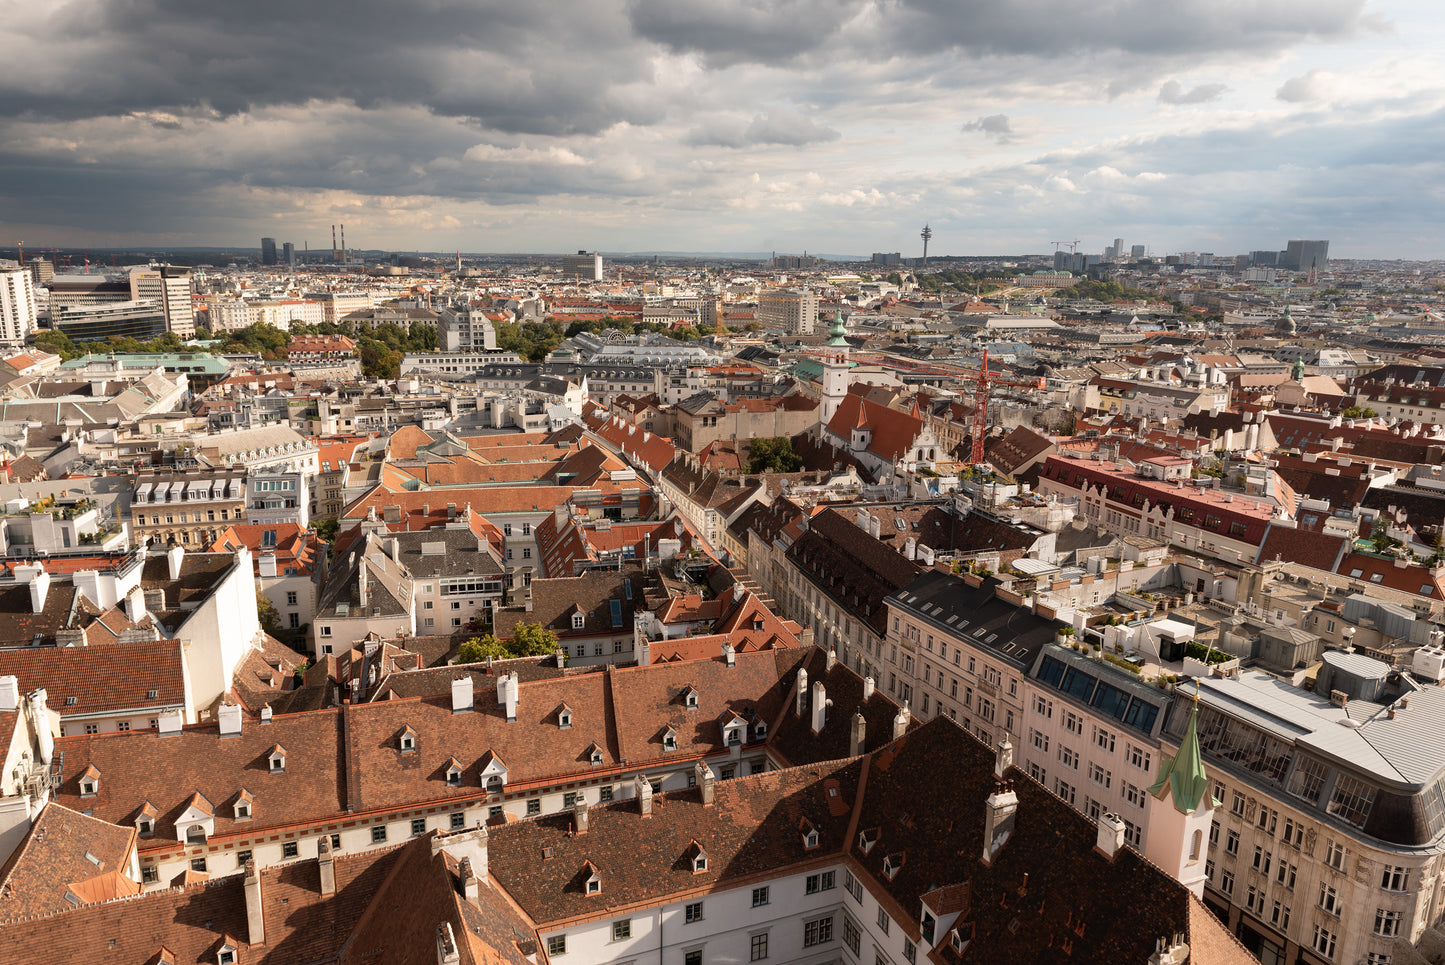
(40, 717)
(998, 823)
(9, 693)
(820, 707)
(738, 592)
(801, 703)
(730, 655)
(255, 916)
(266, 714)
(267, 564)
(901, 721)
(642, 647)
(644, 796)
(393, 550)
(579, 814)
(857, 734)
(470, 845)
(469, 880)
(1111, 834)
(327, 864)
(447, 953)
(832, 660)
(230, 718)
(361, 583)
(507, 694)
(39, 587)
(868, 687)
(462, 694)
(561, 657)
(169, 723)
(705, 781)
(174, 556)
(1003, 758)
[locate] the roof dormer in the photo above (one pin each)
(697, 858)
(454, 772)
(579, 620)
(891, 864)
(226, 954)
(90, 781)
(669, 739)
(276, 759)
(960, 937)
(809, 831)
(564, 717)
(406, 740)
(197, 820)
(734, 729)
(690, 697)
(760, 730)
(145, 819)
(493, 773)
(867, 838)
(244, 807)
(594, 754)
(592, 880)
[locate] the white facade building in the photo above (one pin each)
(17, 305)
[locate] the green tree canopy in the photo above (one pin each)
(478, 649)
(773, 455)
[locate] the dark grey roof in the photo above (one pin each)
(1011, 633)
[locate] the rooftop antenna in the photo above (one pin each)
(926, 234)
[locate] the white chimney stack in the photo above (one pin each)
(507, 694)
(1003, 758)
(1000, 810)
(170, 722)
(39, 587)
(644, 796)
(820, 707)
(869, 685)
(326, 864)
(900, 722)
(174, 556)
(267, 564)
(9, 693)
(462, 694)
(730, 655)
(580, 817)
(255, 914)
(705, 781)
(1111, 834)
(230, 720)
(857, 735)
(801, 703)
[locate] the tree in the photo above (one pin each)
(532, 640)
(326, 529)
(1358, 412)
(478, 649)
(773, 455)
(270, 619)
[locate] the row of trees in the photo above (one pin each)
(527, 640)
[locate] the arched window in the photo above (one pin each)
(1195, 845)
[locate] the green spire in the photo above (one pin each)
(1297, 371)
(837, 332)
(1183, 774)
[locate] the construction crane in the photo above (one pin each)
(20, 246)
(1073, 245)
(986, 381)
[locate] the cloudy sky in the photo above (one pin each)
(726, 125)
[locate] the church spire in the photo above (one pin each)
(838, 331)
(1183, 774)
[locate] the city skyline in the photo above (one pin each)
(819, 125)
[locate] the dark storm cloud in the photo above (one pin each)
(784, 128)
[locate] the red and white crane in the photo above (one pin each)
(986, 381)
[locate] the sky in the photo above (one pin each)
(826, 126)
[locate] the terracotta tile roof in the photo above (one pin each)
(66, 859)
(102, 679)
(893, 432)
(1305, 547)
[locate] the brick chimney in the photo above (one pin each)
(255, 915)
(468, 877)
(327, 865)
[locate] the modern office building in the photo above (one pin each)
(171, 286)
(288, 254)
(461, 328)
(268, 251)
(142, 320)
(1304, 255)
(17, 305)
(84, 291)
(583, 266)
(793, 310)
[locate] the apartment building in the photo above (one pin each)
(792, 310)
(169, 286)
(189, 509)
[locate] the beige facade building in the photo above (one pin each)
(793, 310)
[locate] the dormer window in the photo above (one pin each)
(145, 827)
(243, 811)
(760, 730)
(89, 781)
(564, 717)
(867, 839)
(227, 955)
(699, 859)
(454, 773)
(891, 864)
(579, 620)
(592, 885)
(407, 740)
(277, 759)
(669, 740)
(810, 836)
(689, 698)
(243, 807)
(594, 754)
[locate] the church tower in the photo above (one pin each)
(835, 368)
(1179, 811)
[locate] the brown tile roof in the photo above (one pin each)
(102, 679)
(851, 567)
(1305, 547)
(64, 860)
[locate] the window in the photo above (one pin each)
(1294, 834)
(1139, 757)
(621, 929)
(1069, 758)
(1351, 800)
(418, 826)
(336, 842)
(1039, 740)
(1262, 859)
(1073, 723)
(883, 920)
(227, 954)
(150, 874)
(1337, 856)
(290, 849)
(760, 897)
(556, 944)
(1104, 739)
(1309, 778)
(1323, 941)
(1065, 791)
(1133, 795)
(495, 811)
(1231, 843)
(910, 951)
(1329, 900)
(1044, 708)
(851, 935)
(819, 931)
(1279, 916)
(823, 881)
(198, 864)
(1286, 874)
(853, 886)
(291, 599)
(1395, 878)
(458, 820)
(378, 834)
(1226, 882)
(693, 957)
(693, 912)
(1268, 820)
(758, 948)
(1387, 923)
(1377, 958)
(1100, 776)
(604, 793)
(1236, 806)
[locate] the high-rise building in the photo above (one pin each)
(1118, 250)
(1304, 255)
(887, 257)
(268, 251)
(17, 305)
(793, 310)
(41, 270)
(1136, 252)
(288, 254)
(584, 265)
(1264, 259)
(171, 287)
